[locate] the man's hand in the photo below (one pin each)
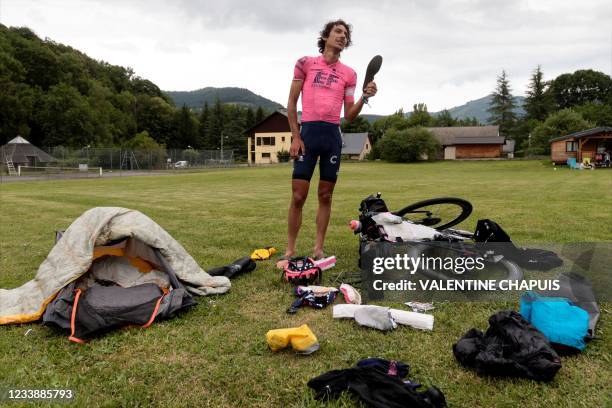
(351, 109)
(370, 90)
(296, 143)
(297, 146)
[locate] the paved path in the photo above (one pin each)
(105, 174)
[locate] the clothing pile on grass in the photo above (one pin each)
(301, 339)
(303, 273)
(379, 383)
(529, 344)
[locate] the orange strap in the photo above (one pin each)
(73, 318)
(150, 322)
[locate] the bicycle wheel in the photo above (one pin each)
(440, 213)
(514, 272)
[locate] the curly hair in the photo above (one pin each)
(327, 29)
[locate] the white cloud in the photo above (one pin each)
(443, 53)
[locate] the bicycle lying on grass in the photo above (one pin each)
(424, 229)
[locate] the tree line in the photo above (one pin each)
(569, 103)
(54, 95)
(419, 117)
(566, 104)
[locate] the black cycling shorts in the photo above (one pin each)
(322, 140)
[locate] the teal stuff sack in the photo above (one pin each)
(558, 319)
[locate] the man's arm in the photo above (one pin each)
(352, 109)
(297, 144)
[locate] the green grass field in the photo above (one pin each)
(215, 355)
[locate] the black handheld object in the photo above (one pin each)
(373, 68)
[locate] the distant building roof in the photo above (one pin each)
(274, 122)
(18, 139)
(284, 112)
(19, 150)
(583, 133)
(448, 136)
(478, 140)
(353, 143)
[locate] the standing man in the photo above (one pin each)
(325, 84)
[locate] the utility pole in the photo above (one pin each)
(529, 144)
(221, 146)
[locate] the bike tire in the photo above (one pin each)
(515, 272)
(465, 206)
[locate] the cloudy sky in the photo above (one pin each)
(441, 52)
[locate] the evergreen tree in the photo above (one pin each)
(204, 127)
(502, 106)
(216, 125)
(538, 103)
(444, 119)
(186, 129)
(420, 116)
(250, 118)
(471, 121)
(233, 128)
(259, 115)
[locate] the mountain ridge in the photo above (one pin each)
(478, 108)
(242, 96)
(227, 95)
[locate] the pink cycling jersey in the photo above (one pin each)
(325, 88)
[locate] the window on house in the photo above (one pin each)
(268, 141)
(282, 138)
(571, 146)
(265, 155)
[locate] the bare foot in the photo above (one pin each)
(318, 254)
(284, 260)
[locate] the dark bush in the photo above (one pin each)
(409, 145)
(282, 156)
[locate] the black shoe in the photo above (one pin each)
(373, 68)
